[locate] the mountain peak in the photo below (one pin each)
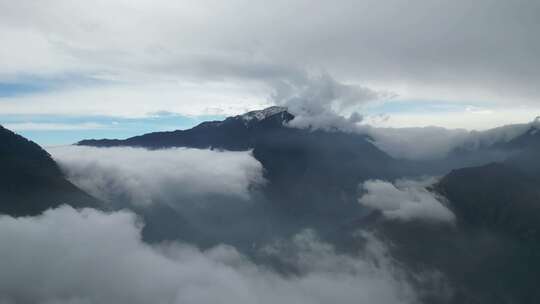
(262, 114)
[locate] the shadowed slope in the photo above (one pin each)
(30, 180)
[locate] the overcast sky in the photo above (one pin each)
(74, 69)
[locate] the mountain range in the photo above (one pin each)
(314, 176)
(489, 255)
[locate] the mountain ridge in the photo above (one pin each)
(232, 133)
(31, 181)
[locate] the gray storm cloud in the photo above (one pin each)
(143, 176)
(405, 200)
(87, 256)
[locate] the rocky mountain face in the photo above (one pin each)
(30, 180)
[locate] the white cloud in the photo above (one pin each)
(405, 200)
(44, 126)
(467, 118)
(29, 52)
(140, 99)
(418, 143)
(319, 101)
(87, 256)
(172, 176)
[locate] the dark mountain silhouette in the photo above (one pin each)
(310, 172)
(236, 133)
(30, 181)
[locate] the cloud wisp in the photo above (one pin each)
(321, 102)
(405, 200)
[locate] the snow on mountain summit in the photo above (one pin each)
(262, 114)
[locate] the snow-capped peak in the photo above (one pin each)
(262, 114)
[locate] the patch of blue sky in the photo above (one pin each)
(50, 130)
(10, 89)
(65, 129)
(27, 84)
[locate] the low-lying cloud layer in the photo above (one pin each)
(435, 142)
(405, 200)
(141, 176)
(321, 102)
(88, 256)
